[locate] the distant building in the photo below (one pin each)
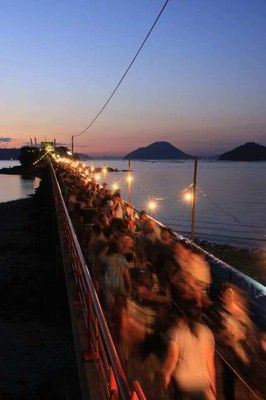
(47, 146)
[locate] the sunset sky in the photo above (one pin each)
(200, 82)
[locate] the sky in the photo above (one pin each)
(199, 82)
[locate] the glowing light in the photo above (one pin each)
(104, 171)
(188, 197)
(69, 153)
(152, 205)
(92, 168)
(115, 186)
(129, 178)
(97, 177)
(80, 170)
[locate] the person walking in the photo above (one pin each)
(189, 363)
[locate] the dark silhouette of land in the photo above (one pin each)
(9, 154)
(247, 152)
(83, 157)
(158, 151)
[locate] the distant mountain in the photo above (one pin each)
(83, 157)
(8, 154)
(158, 151)
(247, 152)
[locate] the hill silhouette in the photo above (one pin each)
(83, 156)
(158, 151)
(8, 154)
(247, 152)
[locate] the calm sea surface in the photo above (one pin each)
(238, 189)
(13, 187)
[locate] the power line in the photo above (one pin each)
(236, 219)
(125, 73)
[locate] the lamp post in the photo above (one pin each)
(72, 144)
(129, 181)
(193, 214)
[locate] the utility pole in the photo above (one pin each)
(72, 144)
(31, 144)
(193, 216)
(129, 181)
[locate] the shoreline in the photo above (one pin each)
(38, 171)
(250, 261)
(19, 170)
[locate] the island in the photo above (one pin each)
(83, 157)
(158, 151)
(9, 154)
(247, 152)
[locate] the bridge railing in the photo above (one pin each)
(112, 378)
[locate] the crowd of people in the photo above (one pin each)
(154, 291)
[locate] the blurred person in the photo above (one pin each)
(194, 278)
(127, 244)
(237, 329)
(99, 263)
(149, 291)
(263, 341)
(117, 278)
(130, 217)
(164, 259)
(141, 221)
(117, 206)
(135, 325)
(237, 334)
(108, 233)
(96, 236)
(151, 231)
(190, 359)
(103, 220)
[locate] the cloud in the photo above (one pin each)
(5, 139)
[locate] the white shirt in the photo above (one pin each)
(191, 371)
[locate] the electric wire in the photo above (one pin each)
(236, 219)
(125, 73)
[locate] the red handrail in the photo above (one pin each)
(103, 351)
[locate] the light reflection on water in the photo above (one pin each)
(13, 187)
(240, 188)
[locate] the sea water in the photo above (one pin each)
(14, 187)
(230, 210)
(230, 206)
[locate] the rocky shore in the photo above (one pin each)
(249, 261)
(36, 348)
